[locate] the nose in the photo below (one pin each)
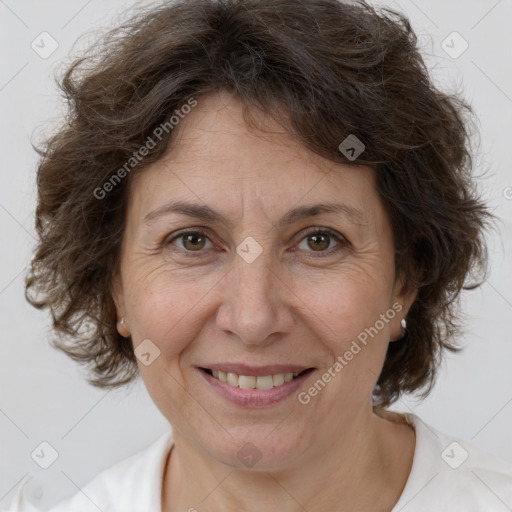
(255, 303)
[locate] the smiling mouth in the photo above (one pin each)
(252, 381)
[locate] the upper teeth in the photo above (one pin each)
(252, 382)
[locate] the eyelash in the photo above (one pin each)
(342, 242)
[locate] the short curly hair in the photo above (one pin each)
(324, 70)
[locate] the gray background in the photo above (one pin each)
(43, 395)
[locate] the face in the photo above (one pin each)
(246, 253)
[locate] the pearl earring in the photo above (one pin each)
(403, 323)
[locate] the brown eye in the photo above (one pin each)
(191, 241)
(318, 242)
(322, 241)
(194, 241)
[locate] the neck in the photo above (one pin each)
(364, 468)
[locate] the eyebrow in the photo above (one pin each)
(207, 214)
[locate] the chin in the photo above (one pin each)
(256, 449)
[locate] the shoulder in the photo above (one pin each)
(450, 474)
(132, 484)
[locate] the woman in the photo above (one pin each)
(266, 209)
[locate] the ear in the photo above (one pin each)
(117, 293)
(404, 295)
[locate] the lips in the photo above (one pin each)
(250, 386)
(262, 378)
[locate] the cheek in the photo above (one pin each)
(345, 304)
(346, 318)
(166, 308)
(170, 311)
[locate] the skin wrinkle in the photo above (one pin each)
(284, 307)
(413, 132)
(316, 88)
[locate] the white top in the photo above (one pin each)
(447, 475)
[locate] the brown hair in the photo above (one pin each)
(322, 68)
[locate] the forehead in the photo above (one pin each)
(217, 157)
